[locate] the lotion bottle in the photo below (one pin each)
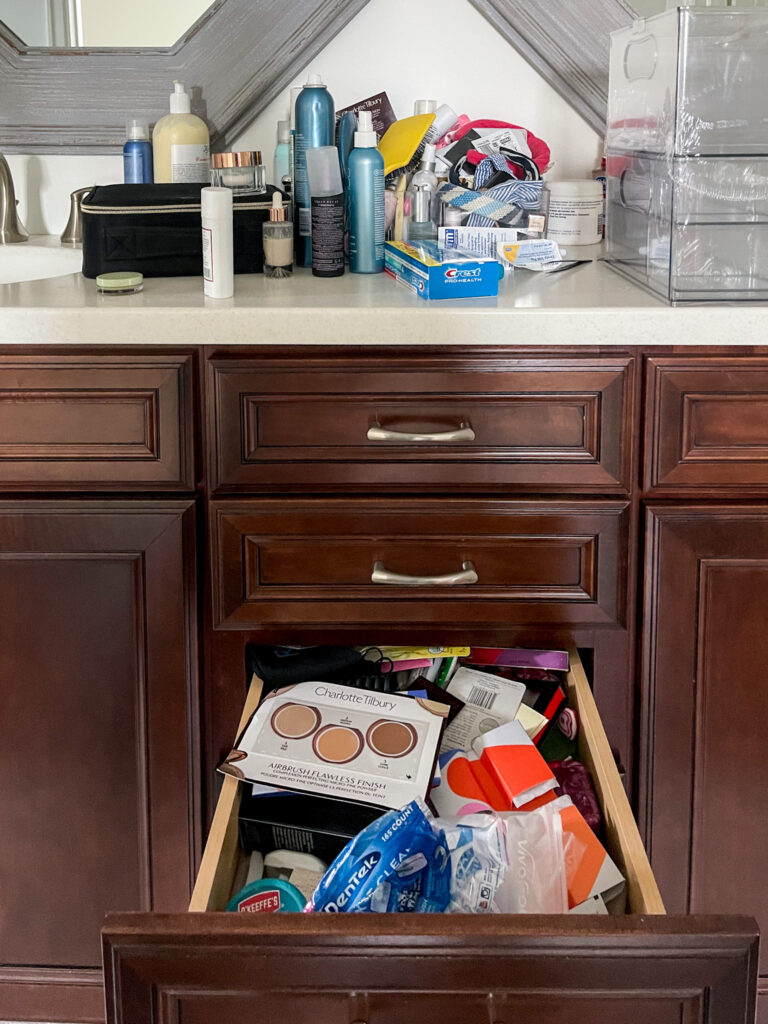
(366, 200)
(180, 143)
(218, 244)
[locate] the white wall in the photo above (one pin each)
(409, 49)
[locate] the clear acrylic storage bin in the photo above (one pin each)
(691, 81)
(692, 229)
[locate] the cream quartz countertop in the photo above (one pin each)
(589, 305)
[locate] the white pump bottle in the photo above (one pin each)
(180, 142)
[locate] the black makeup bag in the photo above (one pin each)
(156, 230)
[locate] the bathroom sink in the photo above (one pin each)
(26, 261)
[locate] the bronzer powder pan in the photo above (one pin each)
(337, 744)
(391, 739)
(295, 721)
(343, 742)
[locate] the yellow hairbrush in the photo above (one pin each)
(401, 140)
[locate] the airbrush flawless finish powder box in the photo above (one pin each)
(337, 741)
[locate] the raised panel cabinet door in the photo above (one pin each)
(96, 421)
(98, 745)
(706, 425)
(380, 562)
(481, 421)
(704, 749)
(428, 969)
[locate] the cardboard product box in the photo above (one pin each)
(435, 273)
(306, 824)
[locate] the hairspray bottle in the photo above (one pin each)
(315, 124)
(366, 201)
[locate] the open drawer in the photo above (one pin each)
(473, 969)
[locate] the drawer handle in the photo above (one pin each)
(452, 579)
(463, 433)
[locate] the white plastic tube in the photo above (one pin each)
(218, 255)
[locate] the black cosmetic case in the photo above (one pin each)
(156, 230)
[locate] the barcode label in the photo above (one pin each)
(305, 221)
(481, 698)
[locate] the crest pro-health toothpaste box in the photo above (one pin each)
(436, 273)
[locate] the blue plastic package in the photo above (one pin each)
(398, 864)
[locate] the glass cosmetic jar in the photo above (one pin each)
(242, 172)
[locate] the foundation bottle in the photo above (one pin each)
(277, 234)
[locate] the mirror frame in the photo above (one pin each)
(234, 60)
(568, 50)
(240, 54)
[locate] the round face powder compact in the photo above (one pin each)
(337, 744)
(120, 282)
(295, 721)
(391, 739)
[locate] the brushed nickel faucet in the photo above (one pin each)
(11, 228)
(73, 232)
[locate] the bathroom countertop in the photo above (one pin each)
(590, 305)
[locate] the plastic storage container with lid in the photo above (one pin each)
(692, 229)
(687, 154)
(690, 81)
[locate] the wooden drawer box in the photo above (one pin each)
(96, 422)
(367, 562)
(706, 425)
(428, 969)
(332, 423)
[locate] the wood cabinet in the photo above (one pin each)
(705, 747)
(96, 421)
(707, 425)
(98, 737)
(474, 968)
(449, 562)
(364, 495)
(503, 419)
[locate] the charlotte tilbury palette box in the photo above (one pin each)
(335, 741)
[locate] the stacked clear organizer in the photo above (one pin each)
(687, 154)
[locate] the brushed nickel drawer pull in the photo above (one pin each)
(463, 433)
(452, 579)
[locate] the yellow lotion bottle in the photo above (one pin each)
(180, 143)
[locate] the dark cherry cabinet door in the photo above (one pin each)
(705, 749)
(98, 786)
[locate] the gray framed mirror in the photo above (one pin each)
(235, 56)
(66, 88)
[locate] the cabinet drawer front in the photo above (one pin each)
(305, 563)
(96, 422)
(423, 968)
(362, 422)
(707, 425)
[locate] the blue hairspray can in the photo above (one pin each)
(314, 127)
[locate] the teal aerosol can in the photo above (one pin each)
(315, 123)
(366, 201)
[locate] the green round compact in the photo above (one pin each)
(120, 282)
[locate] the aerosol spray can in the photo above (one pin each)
(315, 123)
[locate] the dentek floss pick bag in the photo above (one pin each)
(399, 863)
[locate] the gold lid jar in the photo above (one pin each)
(243, 172)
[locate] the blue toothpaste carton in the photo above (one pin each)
(436, 273)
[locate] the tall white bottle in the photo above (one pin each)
(180, 143)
